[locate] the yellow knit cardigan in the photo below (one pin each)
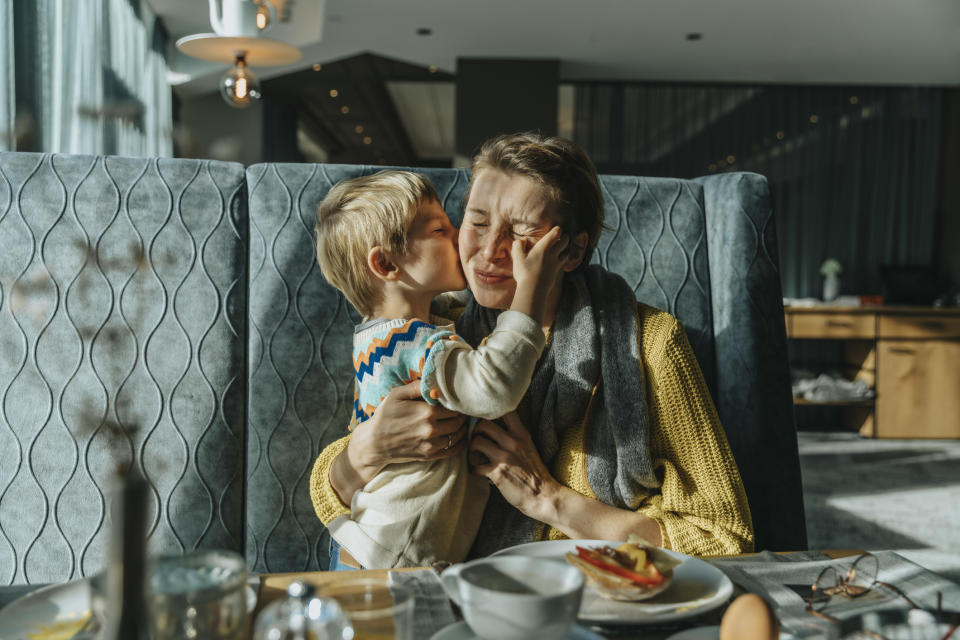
(701, 505)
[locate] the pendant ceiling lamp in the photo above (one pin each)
(237, 39)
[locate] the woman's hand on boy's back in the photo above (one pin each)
(404, 428)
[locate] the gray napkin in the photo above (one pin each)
(431, 609)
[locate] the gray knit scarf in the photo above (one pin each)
(593, 341)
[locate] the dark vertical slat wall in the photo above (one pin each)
(853, 171)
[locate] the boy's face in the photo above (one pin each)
(432, 263)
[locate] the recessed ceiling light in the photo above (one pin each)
(696, 35)
(424, 31)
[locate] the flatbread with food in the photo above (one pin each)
(633, 571)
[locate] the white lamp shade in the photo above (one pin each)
(259, 52)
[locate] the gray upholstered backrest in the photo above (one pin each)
(676, 255)
(753, 393)
(122, 300)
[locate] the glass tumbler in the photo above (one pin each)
(198, 595)
(376, 611)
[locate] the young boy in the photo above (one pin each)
(385, 241)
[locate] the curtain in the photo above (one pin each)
(852, 170)
(91, 77)
(7, 87)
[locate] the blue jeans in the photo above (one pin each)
(335, 564)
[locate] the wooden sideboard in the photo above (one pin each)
(909, 355)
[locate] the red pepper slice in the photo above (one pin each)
(591, 557)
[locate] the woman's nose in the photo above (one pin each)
(495, 247)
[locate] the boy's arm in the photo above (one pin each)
(489, 381)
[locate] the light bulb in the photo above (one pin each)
(263, 15)
(239, 87)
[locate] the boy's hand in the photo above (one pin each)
(536, 272)
(539, 265)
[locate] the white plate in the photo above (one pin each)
(697, 587)
(460, 631)
(57, 611)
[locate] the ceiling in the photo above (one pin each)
(745, 41)
(393, 62)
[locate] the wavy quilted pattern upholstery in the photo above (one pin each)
(229, 353)
(93, 335)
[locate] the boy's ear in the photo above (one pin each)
(380, 265)
(575, 251)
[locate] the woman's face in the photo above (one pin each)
(501, 209)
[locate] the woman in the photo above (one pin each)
(617, 433)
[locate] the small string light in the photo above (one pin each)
(854, 99)
(344, 109)
(318, 67)
(814, 118)
(367, 140)
(334, 93)
(731, 159)
(780, 135)
(358, 128)
(432, 68)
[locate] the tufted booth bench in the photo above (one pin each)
(170, 313)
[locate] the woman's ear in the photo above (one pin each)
(574, 253)
(380, 265)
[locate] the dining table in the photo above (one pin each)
(928, 577)
(748, 573)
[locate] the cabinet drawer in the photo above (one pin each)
(917, 382)
(832, 325)
(920, 326)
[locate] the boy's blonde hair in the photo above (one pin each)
(359, 214)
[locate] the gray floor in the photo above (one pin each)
(861, 493)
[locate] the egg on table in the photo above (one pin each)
(749, 617)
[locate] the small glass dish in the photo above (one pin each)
(375, 610)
